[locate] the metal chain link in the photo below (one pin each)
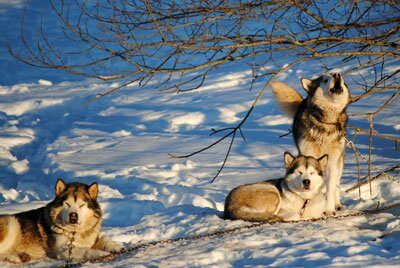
(71, 246)
(113, 255)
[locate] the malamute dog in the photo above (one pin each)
(74, 215)
(319, 125)
(296, 196)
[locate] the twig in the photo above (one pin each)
(371, 129)
(226, 157)
(383, 173)
(239, 126)
(375, 134)
(358, 164)
(286, 134)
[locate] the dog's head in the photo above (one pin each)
(327, 91)
(75, 206)
(304, 174)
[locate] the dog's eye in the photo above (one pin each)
(300, 173)
(81, 206)
(68, 205)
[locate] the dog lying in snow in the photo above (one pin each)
(319, 125)
(296, 196)
(48, 230)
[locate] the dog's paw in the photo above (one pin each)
(88, 255)
(105, 243)
(339, 206)
(92, 254)
(24, 257)
(115, 247)
(10, 258)
(330, 213)
(81, 254)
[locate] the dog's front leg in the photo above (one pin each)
(340, 165)
(289, 216)
(105, 243)
(333, 178)
(80, 254)
(91, 254)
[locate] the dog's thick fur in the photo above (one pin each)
(319, 125)
(296, 196)
(47, 231)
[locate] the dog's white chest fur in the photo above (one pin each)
(293, 207)
(64, 239)
(77, 246)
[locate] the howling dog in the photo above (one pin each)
(47, 231)
(296, 196)
(319, 125)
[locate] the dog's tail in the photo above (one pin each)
(287, 97)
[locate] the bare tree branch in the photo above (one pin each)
(182, 42)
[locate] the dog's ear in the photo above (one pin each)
(323, 161)
(288, 158)
(306, 83)
(60, 187)
(93, 190)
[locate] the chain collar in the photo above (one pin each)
(336, 124)
(57, 230)
(71, 238)
(303, 208)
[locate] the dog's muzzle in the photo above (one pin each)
(337, 86)
(306, 184)
(73, 218)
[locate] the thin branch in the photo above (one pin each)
(385, 172)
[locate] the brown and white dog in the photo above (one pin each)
(47, 231)
(296, 196)
(319, 125)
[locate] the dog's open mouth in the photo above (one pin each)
(336, 90)
(307, 187)
(337, 87)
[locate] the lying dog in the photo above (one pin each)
(296, 196)
(319, 125)
(73, 215)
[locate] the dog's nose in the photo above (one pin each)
(73, 217)
(336, 75)
(306, 183)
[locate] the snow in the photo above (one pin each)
(49, 130)
(45, 82)
(188, 121)
(19, 167)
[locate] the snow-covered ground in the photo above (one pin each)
(48, 130)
